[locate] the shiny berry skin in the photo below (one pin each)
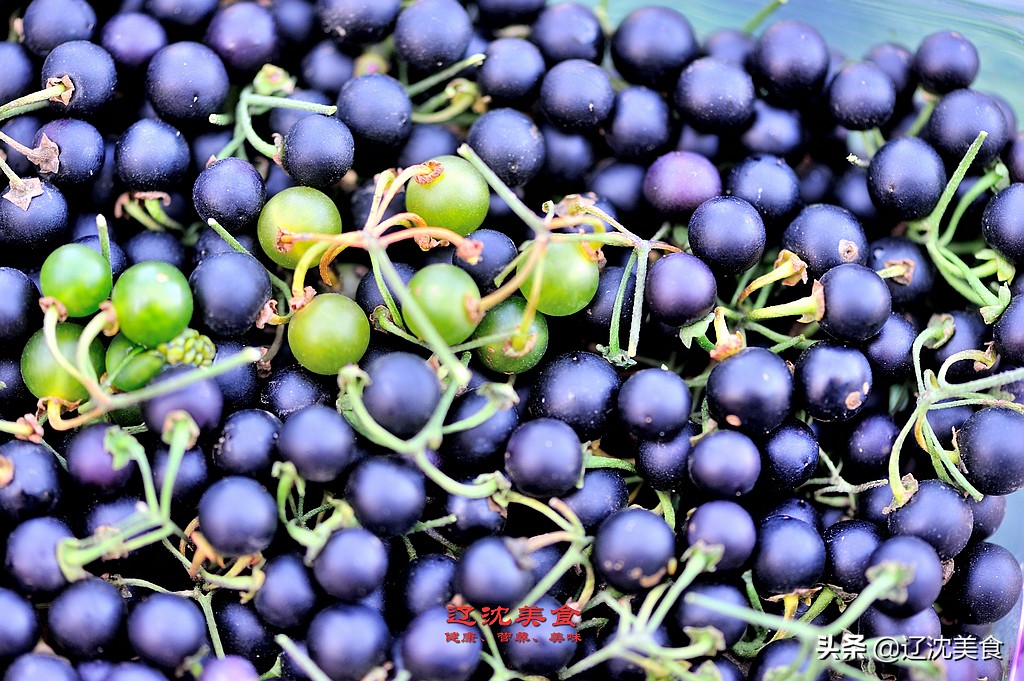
(231, 192)
(387, 495)
(985, 584)
(945, 61)
(579, 389)
(132, 38)
(497, 253)
(287, 597)
(19, 306)
(153, 303)
(849, 545)
(32, 666)
(678, 182)
(78, 277)
(857, 302)
(244, 35)
(19, 629)
(238, 516)
(956, 121)
(44, 377)
(92, 72)
(229, 668)
(492, 571)
(937, 513)
(778, 656)
(691, 615)
(824, 236)
(402, 393)
(166, 629)
(751, 390)
(376, 110)
(31, 486)
(81, 154)
(632, 549)
(654, 403)
(455, 199)
(296, 210)
(187, 81)
(354, 23)
(926, 582)
(664, 463)
(790, 555)
(84, 621)
(511, 74)
(906, 178)
(202, 400)
(152, 156)
(544, 655)
(603, 492)
(576, 95)
(366, 639)
(728, 234)
(423, 654)
(987, 441)
(352, 564)
(832, 381)
(725, 464)
(727, 524)
(768, 184)
(317, 151)
(574, 286)
(639, 124)
(790, 455)
(861, 96)
(790, 60)
(568, 31)
(432, 34)
(1008, 332)
(325, 457)
(651, 45)
(510, 143)
(229, 290)
(330, 332)
(37, 230)
(715, 96)
(674, 304)
(544, 458)
(1001, 224)
(915, 285)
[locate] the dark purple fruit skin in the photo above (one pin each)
(740, 398)
(990, 452)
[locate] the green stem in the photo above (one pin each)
(155, 208)
(441, 76)
(433, 524)
(643, 259)
(697, 563)
(301, 659)
(211, 623)
(668, 510)
(17, 106)
(180, 435)
(139, 214)
(531, 219)
(104, 235)
(274, 102)
(24, 109)
(620, 296)
(571, 557)
(984, 183)
(610, 462)
(50, 321)
(762, 14)
(922, 116)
